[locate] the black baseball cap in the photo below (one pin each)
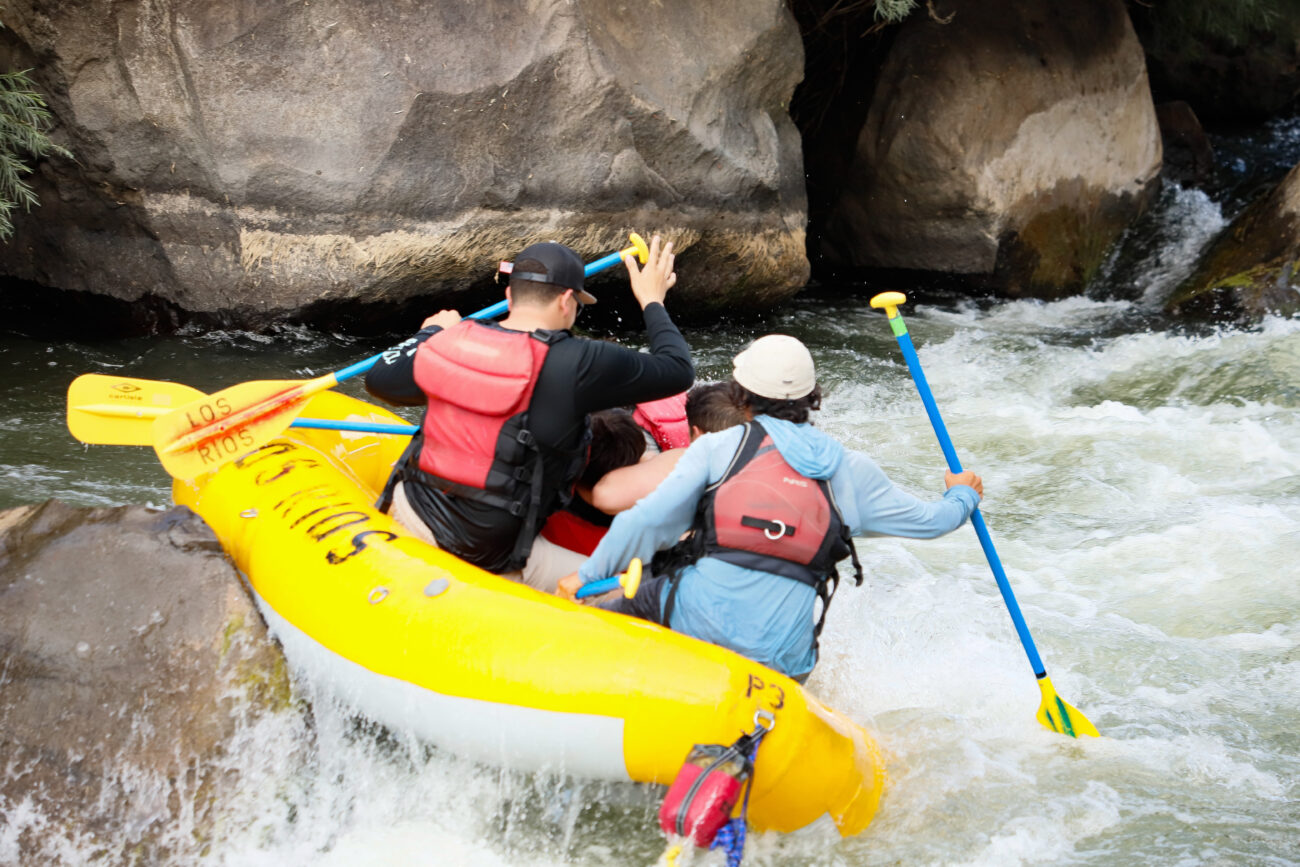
(555, 264)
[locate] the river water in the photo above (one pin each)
(1143, 488)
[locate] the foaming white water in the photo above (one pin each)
(1143, 491)
(1144, 495)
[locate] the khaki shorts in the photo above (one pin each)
(548, 563)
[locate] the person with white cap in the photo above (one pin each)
(506, 431)
(771, 507)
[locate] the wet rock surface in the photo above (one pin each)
(1011, 141)
(1252, 269)
(249, 159)
(130, 654)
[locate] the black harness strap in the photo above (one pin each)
(767, 526)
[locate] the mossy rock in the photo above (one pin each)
(1249, 271)
(1056, 253)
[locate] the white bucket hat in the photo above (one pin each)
(776, 366)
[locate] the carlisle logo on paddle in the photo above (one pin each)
(126, 391)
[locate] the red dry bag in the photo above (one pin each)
(706, 789)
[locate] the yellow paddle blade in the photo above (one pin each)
(119, 410)
(206, 433)
(1059, 716)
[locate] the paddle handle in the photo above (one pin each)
(890, 300)
(630, 581)
(595, 588)
(638, 248)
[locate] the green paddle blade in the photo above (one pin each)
(119, 410)
(1059, 716)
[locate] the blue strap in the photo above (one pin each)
(731, 836)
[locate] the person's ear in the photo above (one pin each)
(510, 303)
(696, 433)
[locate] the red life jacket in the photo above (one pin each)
(665, 420)
(475, 438)
(579, 526)
(764, 515)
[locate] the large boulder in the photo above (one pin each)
(1250, 270)
(1011, 140)
(251, 158)
(131, 656)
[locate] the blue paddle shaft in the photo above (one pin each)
(490, 312)
(362, 426)
(976, 519)
(602, 263)
(595, 588)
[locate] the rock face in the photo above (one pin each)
(131, 655)
(1250, 270)
(1016, 141)
(253, 157)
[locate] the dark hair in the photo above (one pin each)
(616, 441)
(796, 410)
(711, 407)
(532, 291)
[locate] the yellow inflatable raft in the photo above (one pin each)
(423, 642)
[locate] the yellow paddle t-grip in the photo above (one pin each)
(639, 247)
(631, 579)
(890, 301)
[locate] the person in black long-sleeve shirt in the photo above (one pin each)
(505, 426)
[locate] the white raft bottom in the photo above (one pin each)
(504, 735)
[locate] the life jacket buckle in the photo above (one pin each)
(780, 529)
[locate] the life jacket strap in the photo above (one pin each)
(771, 529)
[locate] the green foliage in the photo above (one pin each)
(894, 10)
(1186, 23)
(818, 13)
(24, 120)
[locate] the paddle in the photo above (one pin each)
(206, 433)
(120, 410)
(1053, 712)
(629, 581)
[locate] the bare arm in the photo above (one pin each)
(620, 489)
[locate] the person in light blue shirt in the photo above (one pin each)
(737, 592)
